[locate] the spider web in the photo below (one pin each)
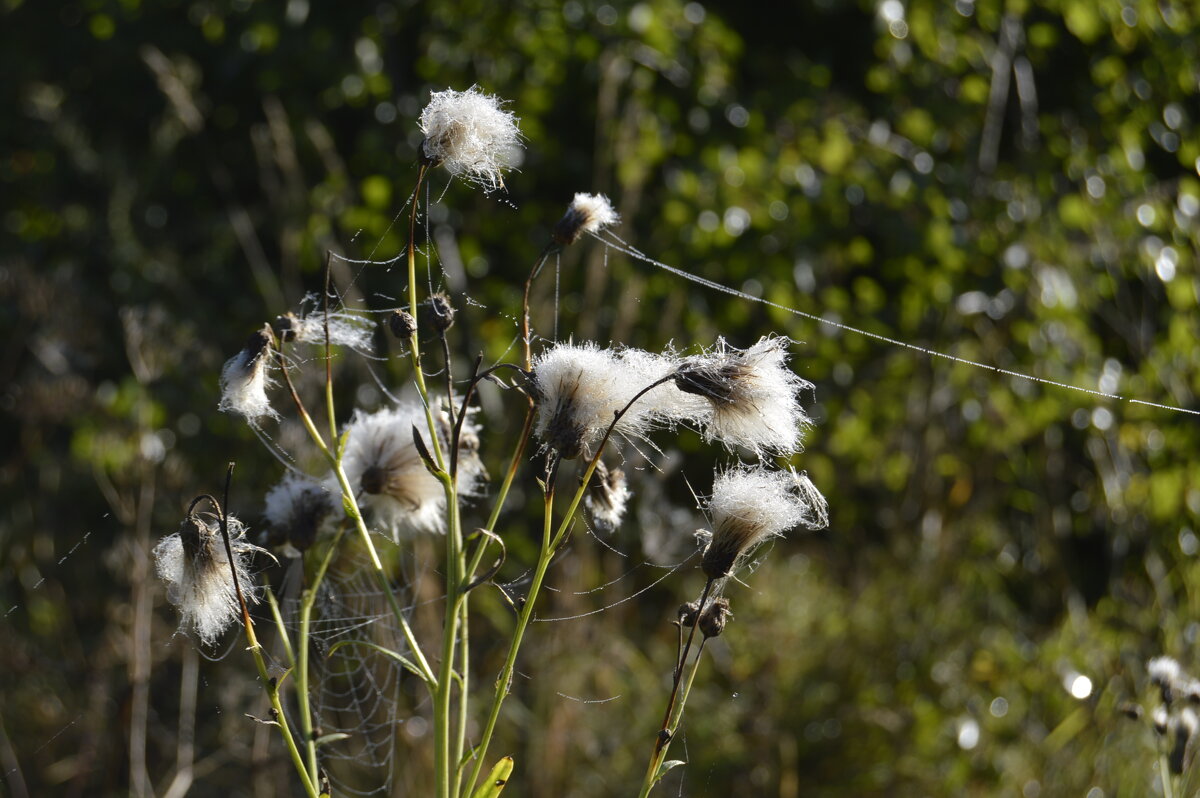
(355, 690)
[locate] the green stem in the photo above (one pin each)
(504, 683)
(672, 726)
(1165, 774)
(445, 686)
(307, 600)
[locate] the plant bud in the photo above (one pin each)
(402, 324)
(715, 616)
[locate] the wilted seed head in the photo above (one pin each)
(470, 134)
(687, 614)
(579, 391)
(715, 616)
(441, 312)
(244, 379)
(1168, 675)
(196, 569)
(749, 506)
(402, 324)
(752, 393)
(295, 510)
(587, 213)
(1160, 719)
(606, 498)
(345, 329)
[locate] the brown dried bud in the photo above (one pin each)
(715, 616)
(285, 326)
(687, 613)
(402, 324)
(441, 312)
(1131, 710)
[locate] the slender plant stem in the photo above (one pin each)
(307, 600)
(1165, 774)
(271, 684)
(504, 683)
(672, 724)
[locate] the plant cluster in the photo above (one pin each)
(416, 468)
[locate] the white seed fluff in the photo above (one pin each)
(382, 461)
(587, 213)
(750, 505)
(198, 577)
(295, 509)
(580, 389)
(1164, 671)
(244, 380)
(470, 134)
(345, 329)
(753, 396)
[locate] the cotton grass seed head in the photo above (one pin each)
(381, 460)
(606, 498)
(345, 329)
(579, 390)
(587, 213)
(295, 510)
(752, 395)
(471, 134)
(193, 564)
(750, 505)
(244, 379)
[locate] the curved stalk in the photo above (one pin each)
(670, 725)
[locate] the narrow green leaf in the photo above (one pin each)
(494, 784)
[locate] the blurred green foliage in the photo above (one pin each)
(1008, 182)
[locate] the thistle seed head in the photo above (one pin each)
(470, 134)
(193, 564)
(580, 389)
(748, 507)
(244, 379)
(587, 213)
(382, 461)
(606, 498)
(296, 508)
(752, 396)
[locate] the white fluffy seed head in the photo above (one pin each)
(1163, 671)
(345, 329)
(382, 462)
(579, 391)
(752, 394)
(471, 134)
(607, 497)
(750, 505)
(295, 510)
(244, 379)
(587, 213)
(193, 564)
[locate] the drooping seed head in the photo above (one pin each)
(587, 213)
(606, 498)
(193, 564)
(244, 379)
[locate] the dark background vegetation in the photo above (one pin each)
(1009, 182)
